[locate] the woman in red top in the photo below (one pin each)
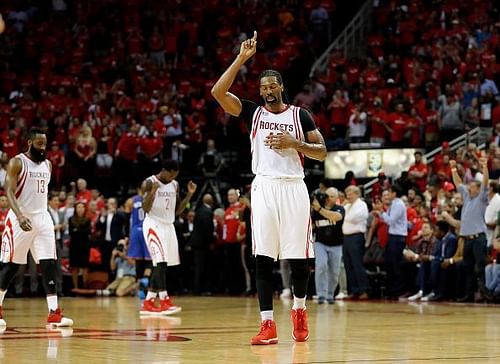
(56, 157)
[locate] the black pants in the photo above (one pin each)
(354, 249)
(233, 276)
(474, 261)
(201, 260)
(106, 249)
(393, 264)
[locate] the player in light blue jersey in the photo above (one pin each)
(137, 246)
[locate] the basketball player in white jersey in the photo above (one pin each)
(281, 135)
(162, 203)
(28, 226)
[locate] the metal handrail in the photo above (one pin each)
(456, 143)
(347, 39)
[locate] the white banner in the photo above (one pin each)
(369, 162)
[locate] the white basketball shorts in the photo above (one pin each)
(161, 241)
(40, 240)
(281, 220)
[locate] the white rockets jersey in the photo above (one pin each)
(271, 162)
(32, 185)
(163, 208)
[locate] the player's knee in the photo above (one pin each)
(7, 273)
(263, 267)
(48, 267)
(300, 269)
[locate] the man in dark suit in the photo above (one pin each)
(111, 227)
(201, 241)
(443, 250)
(59, 226)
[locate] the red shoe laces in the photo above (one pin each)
(264, 326)
(300, 315)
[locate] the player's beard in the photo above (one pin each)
(38, 155)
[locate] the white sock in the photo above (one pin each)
(266, 315)
(163, 295)
(2, 296)
(52, 302)
(151, 295)
(299, 303)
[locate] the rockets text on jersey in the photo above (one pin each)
(32, 185)
(163, 208)
(272, 162)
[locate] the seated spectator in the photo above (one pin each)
(445, 248)
(124, 267)
(421, 256)
(492, 275)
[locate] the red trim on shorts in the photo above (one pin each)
(254, 246)
(308, 238)
(156, 242)
(8, 233)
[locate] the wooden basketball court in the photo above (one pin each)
(218, 330)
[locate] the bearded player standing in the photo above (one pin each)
(28, 226)
(281, 135)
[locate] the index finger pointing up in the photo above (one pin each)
(254, 35)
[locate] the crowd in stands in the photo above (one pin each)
(431, 73)
(443, 249)
(122, 85)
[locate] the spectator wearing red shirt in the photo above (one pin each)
(430, 119)
(418, 172)
(414, 125)
(378, 121)
(338, 112)
(57, 159)
(381, 185)
(415, 223)
(83, 195)
(438, 158)
(444, 171)
(125, 166)
(10, 144)
(233, 271)
(398, 123)
(135, 43)
(495, 115)
(151, 147)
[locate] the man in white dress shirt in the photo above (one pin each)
(354, 229)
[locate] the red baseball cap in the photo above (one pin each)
(445, 145)
(448, 186)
